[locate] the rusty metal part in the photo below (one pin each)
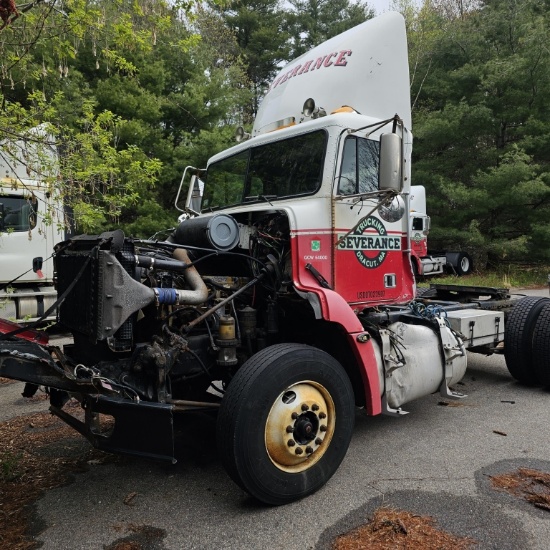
(294, 438)
(206, 314)
(186, 404)
(199, 292)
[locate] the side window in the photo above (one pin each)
(17, 213)
(368, 153)
(360, 163)
(348, 175)
(417, 224)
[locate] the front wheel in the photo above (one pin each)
(285, 422)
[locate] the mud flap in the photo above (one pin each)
(139, 429)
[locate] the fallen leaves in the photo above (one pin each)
(33, 459)
(400, 530)
(531, 485)
(129, 498)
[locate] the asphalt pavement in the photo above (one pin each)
(437, 461)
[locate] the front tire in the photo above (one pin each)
(285, 422)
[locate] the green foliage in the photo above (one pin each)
(481, 99)
(150, 218)
(123, 85)
(314, 21)
(260, 29)
(99, 179)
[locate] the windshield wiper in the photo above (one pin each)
(266, 198)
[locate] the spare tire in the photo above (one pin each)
(518, 338)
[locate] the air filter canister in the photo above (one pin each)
(220, 232)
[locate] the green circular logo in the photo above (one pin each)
(370, 242)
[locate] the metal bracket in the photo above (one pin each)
(389, 411)
(453, 347)
(497, 330)
(391, 363)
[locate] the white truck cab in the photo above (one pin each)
(31, 222)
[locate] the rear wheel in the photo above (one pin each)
(518, 338)
(286, 422)
(425, 292)
(459, 263)
(541, 346)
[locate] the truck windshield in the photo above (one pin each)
(17, 213)
(284, 168)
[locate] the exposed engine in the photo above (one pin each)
(148, 326)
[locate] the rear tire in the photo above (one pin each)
(518, 338)
(285, 422)
(425, 292)
(459, 263)
(541, 346)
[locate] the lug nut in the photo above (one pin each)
(305, 407)
(299, 450)
(323, 428)
(322, 415)
(294, 415)
(318, 441)
(289, 429)
(291, 443)
(314, 407)
(309, 450)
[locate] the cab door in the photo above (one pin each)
(372, 265)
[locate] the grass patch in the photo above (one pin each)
(503, 276)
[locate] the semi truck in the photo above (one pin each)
(431, 262)
(284, 303)
(26, 239)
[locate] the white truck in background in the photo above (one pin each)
(26, 240)
(428, 262)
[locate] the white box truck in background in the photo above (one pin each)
(26, 239)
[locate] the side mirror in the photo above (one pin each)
(391, 163)
(194, 195)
